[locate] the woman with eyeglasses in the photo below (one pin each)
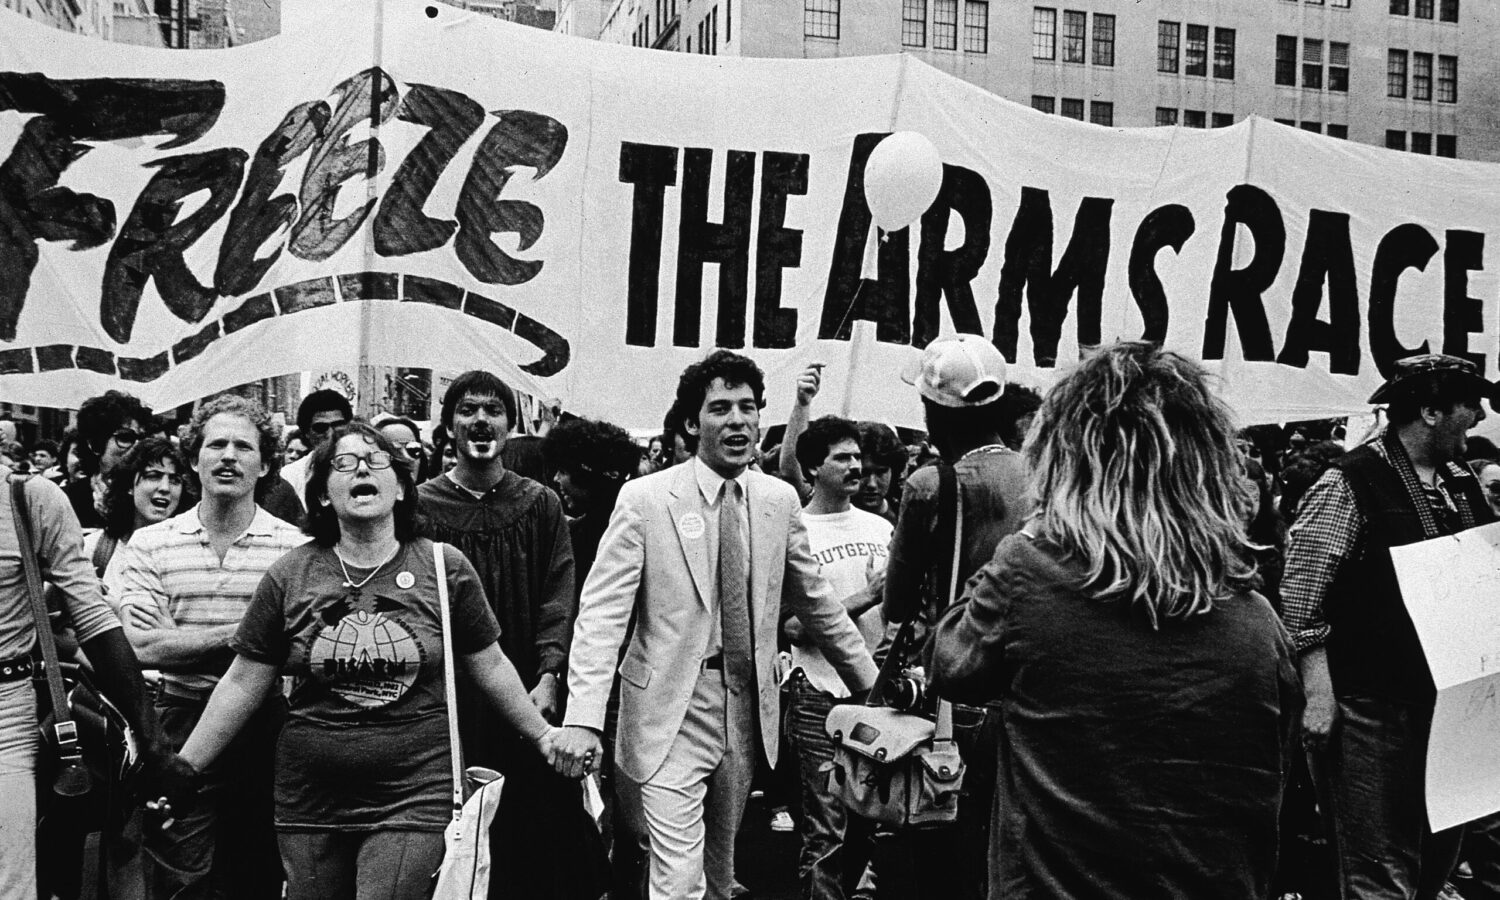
(362, 771)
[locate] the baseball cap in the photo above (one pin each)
(1413, 370)
(964, 370)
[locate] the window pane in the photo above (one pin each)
(1166, 115)
(1447, 12)
(1167, 37)
(1101, 113)
(1072, 109)
(1312, 64)
(1314, 127)
(1286, 60)
(945, 24)
(1421, 142)
(1044, 33)
(1447, 145)
(1224, 53)
(1193, 118)
(1400, 8)
(1045, 104)
(1338, 67)
(1395, 78)
(1421, 76)
(1290, 123)
(913, 23)
(1395, 140)
(1075, 25)
(1338, 131)
(1104, 40)
(820, 18)
(1423, 10)
(1223, 120)
(1342, 4)
(1447, 86)
(1196, 62)
(976, 26)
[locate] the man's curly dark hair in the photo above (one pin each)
(735, 369)
(100, 417)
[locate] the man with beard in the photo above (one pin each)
(513, 530)
(184, 586)
(850, 546)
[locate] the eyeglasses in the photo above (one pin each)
(325, 427)
(348, 462)
(126, 438)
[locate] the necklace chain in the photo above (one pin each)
(349, 581)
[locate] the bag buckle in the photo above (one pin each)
(66, 734)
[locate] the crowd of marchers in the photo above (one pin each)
(1177, 658)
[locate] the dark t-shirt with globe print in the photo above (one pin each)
(366, 743)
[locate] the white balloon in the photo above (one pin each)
(902, 178)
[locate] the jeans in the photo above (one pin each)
(19, 740)
(1370, 786)
(223, 847)
(361, 865)
(835, 845)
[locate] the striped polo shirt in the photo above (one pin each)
(172, 564)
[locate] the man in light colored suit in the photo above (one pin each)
(703, 555)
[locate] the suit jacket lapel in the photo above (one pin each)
(763, 546)
(688, 512)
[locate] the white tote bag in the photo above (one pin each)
(465, 873)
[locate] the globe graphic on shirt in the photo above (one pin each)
(366, 658)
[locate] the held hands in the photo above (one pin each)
(809, 382)
(173, 782)
(574, 751)
(544, 697)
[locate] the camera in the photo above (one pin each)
(907, 692)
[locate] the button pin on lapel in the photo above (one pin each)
(691, 525)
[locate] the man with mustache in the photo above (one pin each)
(184, 586)
(851, 546)
(514, 532)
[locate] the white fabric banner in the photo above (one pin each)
(586, 219)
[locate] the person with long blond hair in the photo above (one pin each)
(1148, 691)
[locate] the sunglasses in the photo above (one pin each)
(126, 438)
(348, 462)
(325, 427)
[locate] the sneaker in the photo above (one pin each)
(781, 820)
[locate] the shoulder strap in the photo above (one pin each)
(104, 551)
(63, 730)
(450, 685)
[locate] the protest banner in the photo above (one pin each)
(1451, 586)
(587, 218)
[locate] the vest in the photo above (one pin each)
(1373, 650)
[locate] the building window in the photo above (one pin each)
(1447, 145)
(976, 26)
(1044, 104)
(1421, 142)
(1074, 29)
(1290, 123)
(1395, 140)
(1400, 8)
(1395, 78)
(1312, 65)
(1447, 87)
(1224, 53)
(1168, 36)
(728, 19)
(1314, 127)
(1422, 10)
(820, 19)
(945, 24)
(1104, 40)
(913, 23)
(1339, 4)
(1447, 12)
(1286, 60)
(1166, 115)
(1196, 60)
(1193, 118)
(1223, 120)
(1421, 76)
(1043, 33)
(1338, 131)
(1338, 67)
(1101, 113)
(1072, 108)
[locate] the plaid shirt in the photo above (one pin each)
(1328, 531)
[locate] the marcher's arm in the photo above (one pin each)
(558, 605)
(967, 641)
(911, 553)
(1322, 709)
(807, 388)
(492, 671)
(604, 610)
(856, 604)
(235, 699)
(119, 677)
(825, 620)
(185, 650)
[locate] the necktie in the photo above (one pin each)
(734, 597)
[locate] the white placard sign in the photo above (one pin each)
(1451, 586)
